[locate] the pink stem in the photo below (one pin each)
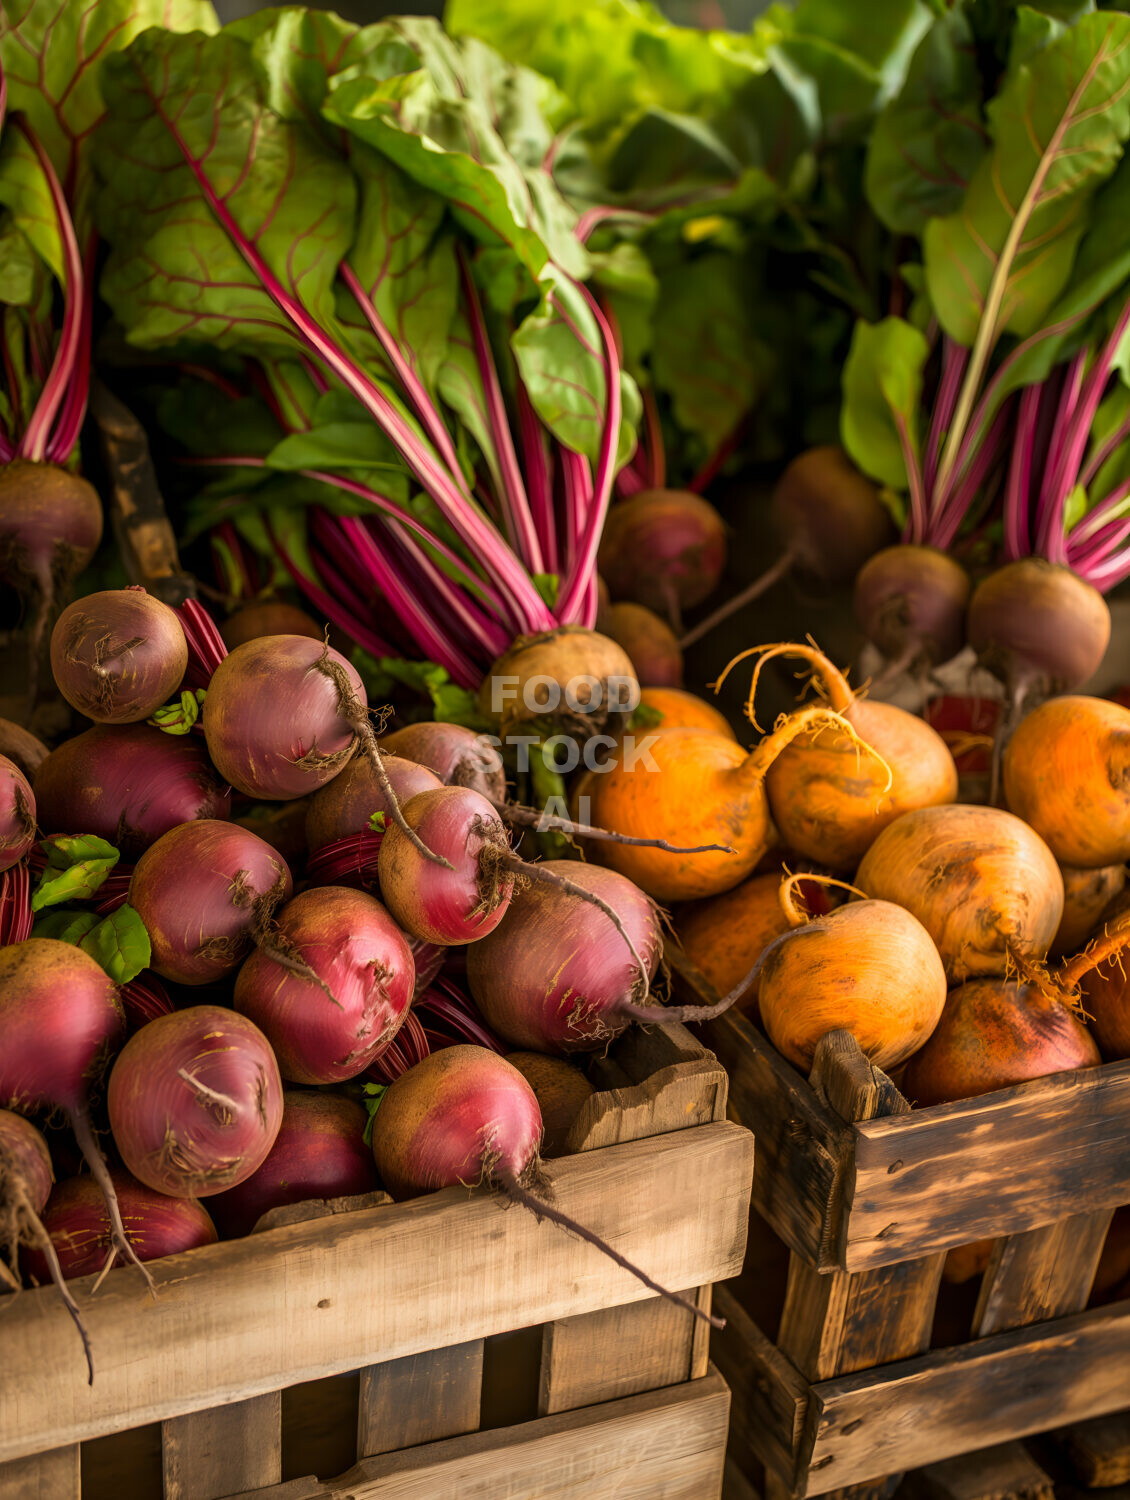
(528, 610)
(1018, 494)
(954, 360)
(918, 521)
(963, 494)
(414, 387)
(580, 577)
(517, 517)
(539, 478)
(38, 430)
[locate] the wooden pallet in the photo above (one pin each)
(867, 1196)
(425, 1299)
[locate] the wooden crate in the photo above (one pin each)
(425, 1299)
(866, 1197)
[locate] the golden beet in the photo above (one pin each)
(830, 795)
(1067, 773)
(869, 968)
(978, 879)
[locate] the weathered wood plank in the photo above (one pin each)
(43, 1476)
(1098, 1451)
(209, 1454)
(1041, 1273)
(420, 1399)
(769, 1396)
(619, 1351)
(982, 1168)
(840, 1322)
(974, 1396)
(685, 1094)
(1006, 1472)
(803, 1148)
(240, 1319)
(666, 1445)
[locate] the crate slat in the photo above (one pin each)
(420, 1398)
(666, 1445)
(770, 1397)
(1041, 1273)
(1006, 1472)
(208, 1454)
(803, 1148)
(619, 1351)
(1098, 1451)
(43, 1476)
(974, 1396)
(243, 1318)
(982, 1168)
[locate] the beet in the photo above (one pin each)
(17, 814)
(118, 656)
(206, 891)
(319, 1152)
(195, 1102)
(79, 1226)
(331, 985)
(554, 974)
(664, 549)
(128, 784)
(454, 753)
(345, 806)
(50, 527)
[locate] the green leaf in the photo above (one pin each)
(404, 263)
(614, 59)
(468, 127)
(179, 716)
(52, 53)
(175, 272)
(548, 585)
(882, 385)
(65, 926)
(1058, 126)
(548, 786)
(77, 864)
(120, 943)
(1101, 272)
(856, 55)
(20, 267)
(558, 352)
(706, 308)
(1036, 26)
(373, 1095)
(930, 138)
(378, 821)
(24, 189)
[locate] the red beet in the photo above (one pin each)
(456, 754)
(274, 720)
(346, 805)
(128, 784)
(664, 549)
(910, 602)
(331, 985)
(554, 974)
(25, 1186)
(195, 1101)
(268, 617)
(461, 904)
(17, 814)
(22, 747)
(994, 1033)
(467, 1116)
(206, 891)
(50, 527)
(61, 1019)
(319, 1152)
(118, 656)
(156, 1225)
(650, 643)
